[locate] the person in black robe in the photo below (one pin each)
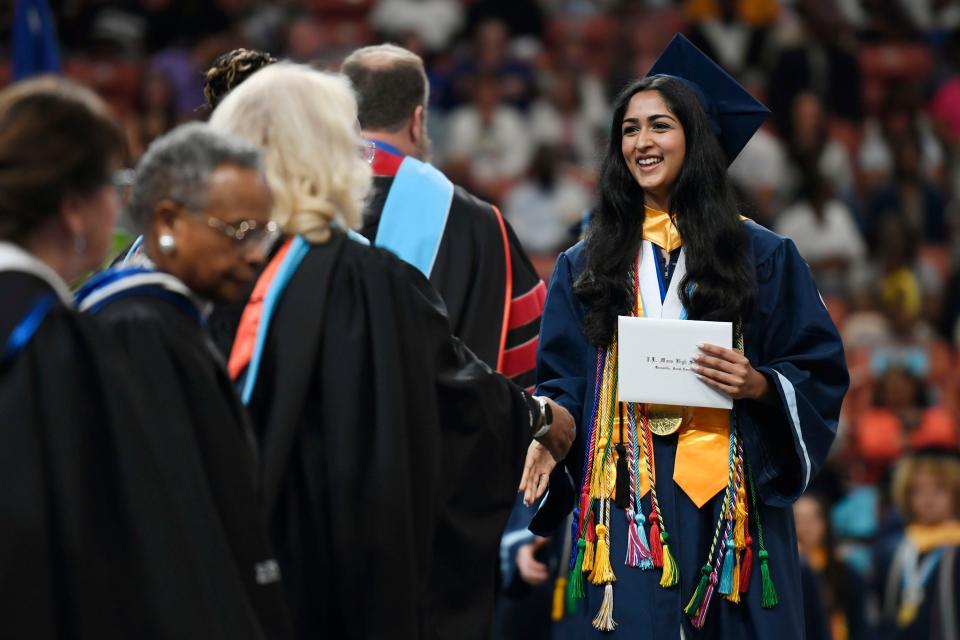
(493, 294)
(204, 206)
(93, 542)
(391, 454)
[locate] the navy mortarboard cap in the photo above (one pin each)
(734, 114)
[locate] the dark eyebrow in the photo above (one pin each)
(652, 118)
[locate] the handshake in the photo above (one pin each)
(552, 439)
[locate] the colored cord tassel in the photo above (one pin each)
(769, 597)
(574, 534)
(734, 595)
(746, 566)
(604, 620)
(671, 571)
(739, 529)
(697, 599)
(622, 497)
(656, 542)
(646, 561)
(588, 556)
(602, 569)
(726, 574)
(559, 589)
(575, 589)
(701, 616)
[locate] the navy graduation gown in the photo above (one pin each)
(792, 340)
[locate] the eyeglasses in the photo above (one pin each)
(248, 235)
(368, 150)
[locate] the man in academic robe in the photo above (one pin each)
(466, 248)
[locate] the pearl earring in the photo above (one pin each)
(167, 244)
(80, 245)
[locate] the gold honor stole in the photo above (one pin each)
(700, 469)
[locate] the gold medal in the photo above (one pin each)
(666, 419)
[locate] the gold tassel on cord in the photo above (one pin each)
(602, 569)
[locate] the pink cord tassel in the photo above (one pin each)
(637, 551)
(701, 616)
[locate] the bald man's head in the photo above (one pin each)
(390, 83)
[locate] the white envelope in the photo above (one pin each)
(656, 360)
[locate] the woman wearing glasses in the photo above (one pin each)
(203, 206)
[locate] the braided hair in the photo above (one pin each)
(229, 70)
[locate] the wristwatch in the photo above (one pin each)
(546, 417)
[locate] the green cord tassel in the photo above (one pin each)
(726, 574)
(769, 597)
(575, 589)
(694, 605)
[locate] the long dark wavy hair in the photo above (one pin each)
(704, 211)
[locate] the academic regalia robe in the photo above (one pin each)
(391, 455)
(471, 271)
(791, 339)
(938, 615)
(92, 543)
(203, 436)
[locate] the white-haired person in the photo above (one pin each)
(202, 204)
(388, 449)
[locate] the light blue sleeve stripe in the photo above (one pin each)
(356, 237)
(415, 214)
(298, 249)
(791, 396)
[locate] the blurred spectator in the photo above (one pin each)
(818, 53)
(492, 137)
(910, 195)
(229, 70)
(917, 572)
(546, 204)
(491, 57)
(825, 233)
(810, 144)
(562, 119)
(842, 589)
(434, 22)
(902, 419)
(732, 32)
(760, 171)
(155, 113)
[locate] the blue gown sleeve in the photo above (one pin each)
(563, 346)
(792, 340)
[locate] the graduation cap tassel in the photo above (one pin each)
(604, 620)
(697, 598)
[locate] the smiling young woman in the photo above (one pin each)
(711, 514)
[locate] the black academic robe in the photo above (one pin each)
(391, 454)
(792, 340)
(202, 434)
(470, 275)
(92, 542)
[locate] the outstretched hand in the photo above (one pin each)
(536, 472)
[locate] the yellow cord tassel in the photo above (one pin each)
(740, 524)
(588, 557)
(559, 589)
(602, 569)
(604, 620)
(734, 595)
(671, 572)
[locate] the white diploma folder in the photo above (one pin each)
(656, 361)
